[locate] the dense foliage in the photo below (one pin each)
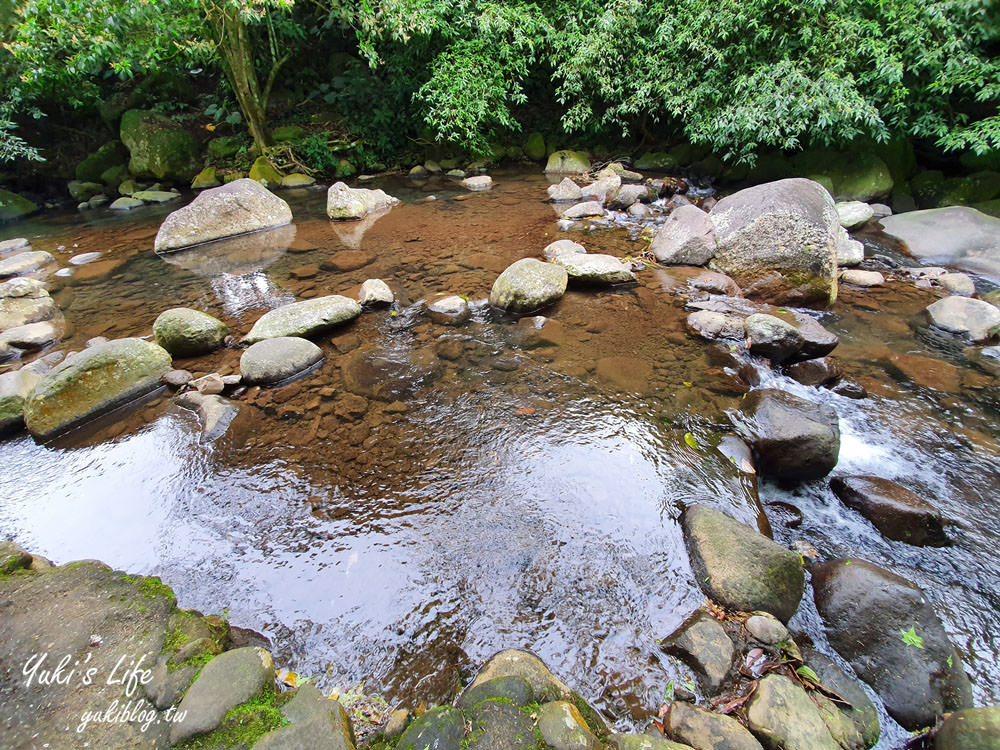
(735, 75)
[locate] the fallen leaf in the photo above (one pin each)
(524, 411)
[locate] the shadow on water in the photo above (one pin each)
(432, 494)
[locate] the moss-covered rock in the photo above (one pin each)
(111, 154)
(966, 191)
(186, 333)
(265, 172)
(92, 382)
(158, 146)
(286, 133)
(114, 176)
(568, 162)
(534, 147)
(206, 178)
(84, 191)
(857, 175)
(440, 728)
(527, 285)
(14, 206)
(224, 146)
(656, 161)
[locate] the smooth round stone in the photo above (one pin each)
(82, 258)
(186, 333)
(856, 277)
(563, 247)
(273, 360)
(957, 283)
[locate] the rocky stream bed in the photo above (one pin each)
(725, 464)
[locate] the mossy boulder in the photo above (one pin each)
(158, 147)
(441, 728)
(111, 154)
(534, 147)
(976, 162)
(286, 133)
(206, 178)
(656, 161)
(93, 382)
(305, 318)
(224, 146)
(856, 175)
(84, 191)
(186, 333)
(265, 172)
(568, 162)
(966, 191)
(113, 177)
(14, 206)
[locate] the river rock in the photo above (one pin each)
(793, 439)
(274, 359)
(315, 723)
(789, 227)
(375, 292)
(31, 336)
(524, 665)
(304, 318)
(783, 717)
(854, 727)
(567, 190)
(512, 689)
(82, 191)
(822, 371)
(687, 238)
(159, 147)
(17, 244)
(957, 283)
(562, 247)
(701, 643)
(228, 680)
(501, 726)
(895, 511)
(449, 311)
(441, 728)
(854, 213)
(24, 301)
(627, 196)
(214, 412)
(856, 277)
(767, 629)
(870, 615)
(240, 207)
(644, 742)
(125, 203)
(599, 190)
(978, 320)
(92, 382)
(595, 268)
(187, 333)
(478, 183)
(740, 568)
(529, 284)
(14, 389)
(23, 264)
(956, 236)
(704, 730)
(850, 252)
(567, 162)
(772, 337)
(584, 210)
(344, 203)
(970, 729)
(562, 727)
(716, 325)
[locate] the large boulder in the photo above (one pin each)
(159, 148)
(888, 631)
(93, 382)
(14, 206)
(92, 169)
(304, 318)
(276, 359)
(978, 320)
(789, 228)
(740, 568)
(567, 162)
(784, 717)
(596, 269)
(897, 512)
(686, 238)
(792, 439)
(240, 207)
(344, 203)
(527, 285)
(954, 236)
(228, 680)
(970, 729)
(187, 333)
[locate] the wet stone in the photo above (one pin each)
(500, 726)
(701, 643)
(766, 629)
(818, 372)
(449, 311)
(772, 337)
(783, 717)
(855, 727)
(895, 511)
(644, 742)
(439, 729)
(563, 728)
(704, 730)
(511, 688)
(276, 359)
(970, 729)
(716, 325)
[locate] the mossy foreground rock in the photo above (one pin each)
(779, 241)
(58, 612)
(740, 568)
(304, 318)
(316, 723)
(886, 629)
(524, 665)
(92, 382)
(159, 148)
(527, 285)
(784, 716)
(240, 207)
(186, 333)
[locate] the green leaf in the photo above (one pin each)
(807, 673)
(689, 439)
(910, 638)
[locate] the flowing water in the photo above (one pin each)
(432, 494)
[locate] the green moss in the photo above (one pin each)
(150, 587)
(246, 723)
(594, 722)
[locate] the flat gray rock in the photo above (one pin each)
(240, 207)
(25, 263)
(686, 238)
(31, 336)
(702, 643)
(276, 359)
(584, 210)
(956, 236)
(594, 268)
(304, 318)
